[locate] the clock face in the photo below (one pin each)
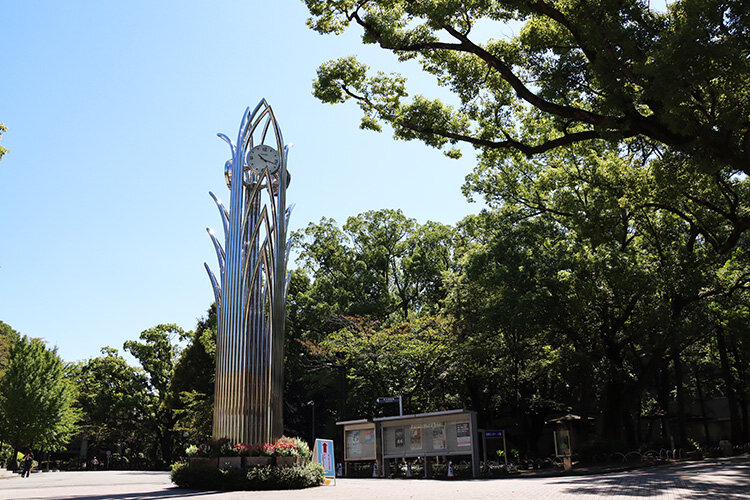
(261, 157)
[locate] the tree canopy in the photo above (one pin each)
(115, 405)
(158, 354)
(36, 399)
(671, 85)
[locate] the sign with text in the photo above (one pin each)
(493, 434)
(323, 454)
(390, 399)
(463, 436)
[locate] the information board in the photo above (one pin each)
(360, 444)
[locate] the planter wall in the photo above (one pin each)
(290, 461)
(203, 462)
(257, 461)
(230, 462)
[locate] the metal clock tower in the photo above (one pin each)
(251, 289)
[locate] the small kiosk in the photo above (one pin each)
(429, 435)
(563, 427)
(361, 443)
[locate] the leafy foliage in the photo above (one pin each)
(3, 128)
(36, 400)
(192, 384)
(671, 84)
(115, 403)
(412, 359)
(7, 337)
(158, 355)
(257, 478)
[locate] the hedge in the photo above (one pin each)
(257, 478)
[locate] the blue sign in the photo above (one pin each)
(323, 454)
(390, 399)
(493, 434)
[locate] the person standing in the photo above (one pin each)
(28, 461)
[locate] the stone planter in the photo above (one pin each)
(203, 462)
(230, 462)
(289, 461)
(257, 461)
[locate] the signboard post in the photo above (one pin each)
(393, 399)
(562, 447)
(495, 435)
(323, 454)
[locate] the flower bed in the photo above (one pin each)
(219, 465)
(283, 447)
(257, 478)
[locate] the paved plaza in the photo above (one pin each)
(714, 480)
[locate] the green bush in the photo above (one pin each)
(257, 478)
(286, 478)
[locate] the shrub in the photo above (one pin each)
(287, 478)
(184, 476)
(258, 478)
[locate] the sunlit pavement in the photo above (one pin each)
(720, 479)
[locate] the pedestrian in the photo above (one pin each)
(28, 461)
(94, 463)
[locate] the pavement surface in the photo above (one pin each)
(717, 479)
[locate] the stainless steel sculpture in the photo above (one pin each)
(251, 291)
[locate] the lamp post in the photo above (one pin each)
(312, 404)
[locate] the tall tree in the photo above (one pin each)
(381, 264)
(36, 399)
(7, 337)
(158, 353)
(621, 281)
(411, 359)
(192, 384)
(381, 268)
(115, 404)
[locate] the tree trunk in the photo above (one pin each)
(616, 418)
(663, 395)
(741, 367)
(702, 402)
(680, 387)
(726, 372)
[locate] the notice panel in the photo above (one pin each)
(360, 444)
(463, 437)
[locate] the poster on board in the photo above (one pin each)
(438, 437)
(463, 436)
(353, 444)
(399, 438)
(416, 438)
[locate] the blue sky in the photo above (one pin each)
(113, 110)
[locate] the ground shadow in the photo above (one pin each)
(154, 495)
(727, 480)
